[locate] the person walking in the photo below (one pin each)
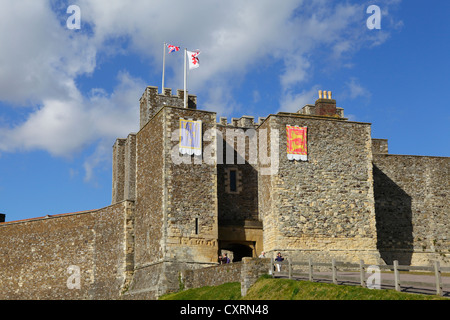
(279, 258)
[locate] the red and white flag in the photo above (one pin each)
(192, 56)
(172, 48)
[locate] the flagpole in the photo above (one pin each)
(164, 67)
(185, 78)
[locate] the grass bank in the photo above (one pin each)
(267, 288)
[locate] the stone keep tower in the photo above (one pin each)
(176, 220)
(322, 207)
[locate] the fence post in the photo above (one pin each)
(272, 271)
(310, 269)
(289, 268)
(437, 272)
(396, 276)
(334, 271)
(362, 273)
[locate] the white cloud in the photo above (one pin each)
(41, 59)
(116, 114)
(256, 96)
(293, 102)
(234, 36)
(296, 71)
(221, 101)
(64, 126)
(101, 155)
(355, 90)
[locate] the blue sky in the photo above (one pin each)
(66, 95)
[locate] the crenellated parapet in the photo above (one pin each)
(152, 101)
(242, 122)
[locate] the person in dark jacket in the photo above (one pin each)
(225, 259)
(279, 258)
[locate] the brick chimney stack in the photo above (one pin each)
(325, 105)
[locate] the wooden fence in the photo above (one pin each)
(287, 268)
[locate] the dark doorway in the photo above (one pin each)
(239, 251)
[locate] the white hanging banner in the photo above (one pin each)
(191, 137)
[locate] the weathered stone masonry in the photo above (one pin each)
(334, 217)
(35, 255)
(172, 215)
(413, 208)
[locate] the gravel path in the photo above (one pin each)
(411, 283)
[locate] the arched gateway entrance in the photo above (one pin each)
(237, 251)
(240, 241)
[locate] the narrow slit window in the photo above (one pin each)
(196, 225)
(233, 180)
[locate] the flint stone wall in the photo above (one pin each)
(246, 272)
(325, 204)
(412, 208)
(35, 255)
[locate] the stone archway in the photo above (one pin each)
(245, 239)
(238, 250)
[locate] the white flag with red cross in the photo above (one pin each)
(192, 56)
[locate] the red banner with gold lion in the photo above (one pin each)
(297, 148)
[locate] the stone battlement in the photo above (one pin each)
(152, 101)
(324, 107)
(242, 122)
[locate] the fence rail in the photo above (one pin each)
(286, 268)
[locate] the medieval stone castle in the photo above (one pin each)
(185, 188)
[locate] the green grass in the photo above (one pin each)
(227, 291)
(267, 288)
